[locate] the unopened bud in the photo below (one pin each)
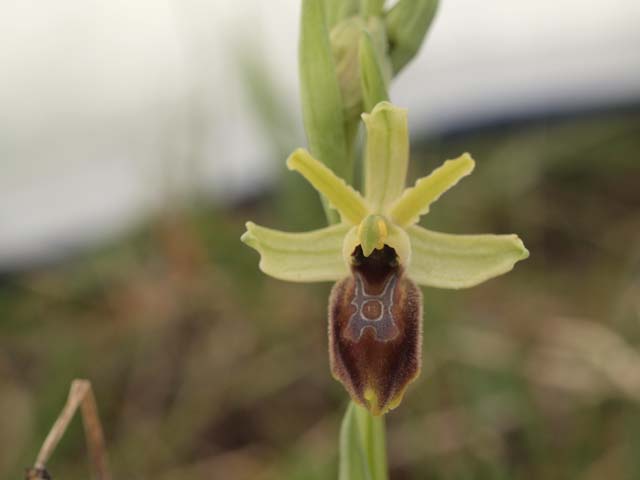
(345, 42)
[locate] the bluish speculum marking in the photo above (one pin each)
(372, 311)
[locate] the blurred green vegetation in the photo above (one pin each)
(205, 368)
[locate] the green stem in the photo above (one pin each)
(362, 446)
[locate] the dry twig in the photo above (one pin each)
(80, 395)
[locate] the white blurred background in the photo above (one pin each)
(102, 102)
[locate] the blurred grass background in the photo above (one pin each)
(205, 368)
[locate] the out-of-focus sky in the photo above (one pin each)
(112, 109)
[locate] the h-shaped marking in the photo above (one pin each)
(382, 322)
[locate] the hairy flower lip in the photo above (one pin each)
(375, 359)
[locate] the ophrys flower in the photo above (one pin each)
(377, 254)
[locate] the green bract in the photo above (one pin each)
(387, 214)
(407, 25)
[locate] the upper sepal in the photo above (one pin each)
(387, 154)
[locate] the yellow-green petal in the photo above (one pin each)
(387, 154)
(341, 196)
(415, 201)
(460, 261)
(314, 256)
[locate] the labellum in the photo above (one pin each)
(375, 330)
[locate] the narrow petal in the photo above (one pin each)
(415, 201)
(459, 261)
(314, 256)
(341, 196)
(387, 154)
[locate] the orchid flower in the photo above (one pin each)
(377, 255)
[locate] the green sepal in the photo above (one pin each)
(459, 261)
(322, 105)
(348, 202)
(407, 25)
(415, 201)
(386, 155)
(362, 446)
(314, 256)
